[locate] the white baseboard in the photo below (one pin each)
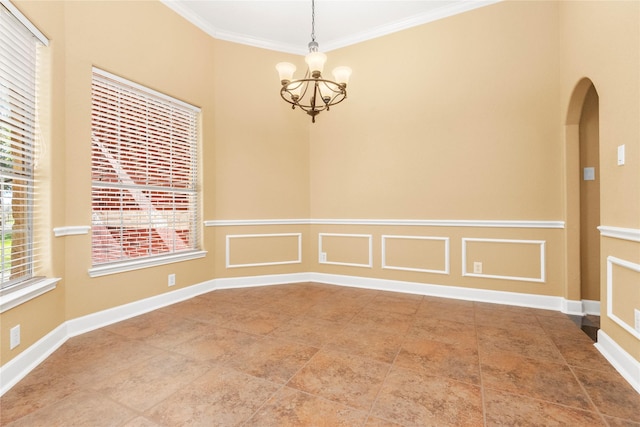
(25, 362)
(454, 292)
(622, 361)
(103, 318)
(100, 319)
(572, 307)
(591, 307)
(268, 280)
(580, 308)
(18, 367)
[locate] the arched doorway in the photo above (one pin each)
(583, 200)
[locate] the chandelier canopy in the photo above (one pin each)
(313, 93)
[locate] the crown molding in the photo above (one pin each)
(413, 21)
(183, 10)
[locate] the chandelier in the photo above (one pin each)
(313, 93)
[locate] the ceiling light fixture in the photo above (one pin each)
(313, 93)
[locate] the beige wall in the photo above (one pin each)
(601, 41)
(466, 122)
(262, 157)
(462, 123)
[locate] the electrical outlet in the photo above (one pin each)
(172, 279)
(637, 319)
(477, 267)
(14, 337)
(323, 257)
(620, 155)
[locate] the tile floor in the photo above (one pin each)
(319, 355)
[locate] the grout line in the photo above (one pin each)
(586, 393)
(482, 387)
(391, 365)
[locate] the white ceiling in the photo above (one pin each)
(285, 25)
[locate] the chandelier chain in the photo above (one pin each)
(313, 21)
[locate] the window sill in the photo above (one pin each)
(14, 298)
(121, 267)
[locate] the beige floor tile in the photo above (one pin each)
(79, 409)
(523, 342)
(583, 354)
(350, 380)
(536, 378)
(611, 394)
(367, 341)
(141, 422)
(142, 326)
(222, 397)
(92, 363)
(396, 303)
(618, 422)
(44, 386)
(308, 330)
(379, 422)
(446, 331)
(504, 409)
(293, 408)
(259, 322)
(417, 399)
(143, 385)
(218, 345)
(442, 359)
(455, 311)
(398, 323)
(177, 332)
(335, 311)
(272, 359)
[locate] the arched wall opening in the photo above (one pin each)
(582, 191)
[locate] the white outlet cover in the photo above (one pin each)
(620, 155)
(477, 267)
(14, 337)
(323, 257)
(637, 319)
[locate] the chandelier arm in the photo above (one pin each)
(316, 94)
(307, 99)
(339, 93)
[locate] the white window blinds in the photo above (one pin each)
(144, 172)
(18, 117)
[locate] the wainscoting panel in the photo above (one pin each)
(416, 253)
(623, 283)
(354, 250)
(522, 260)
(253, 250)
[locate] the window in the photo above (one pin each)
(19, 46)
(144, 174)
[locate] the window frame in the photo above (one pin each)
(21, 290)
(134, 263)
